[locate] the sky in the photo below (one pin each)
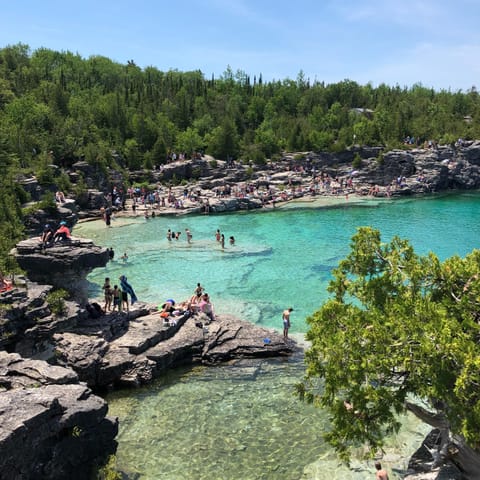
(435, 43)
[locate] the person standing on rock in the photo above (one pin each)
(380, 474)
(127, 288)
(286, 322)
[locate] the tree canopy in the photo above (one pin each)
(400, 331)
(61, 102)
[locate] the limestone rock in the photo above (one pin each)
(64, 265)
(50, 431)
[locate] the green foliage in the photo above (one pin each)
(397, 326)
(56, 301)
(213, 163)
(86, 108)
(109, 471)
(47, 203)
(357, 161)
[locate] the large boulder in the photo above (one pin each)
(51, 427)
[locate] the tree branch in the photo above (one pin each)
(436, 420)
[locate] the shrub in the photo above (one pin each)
(357, 161)
(108, 471)
(56, 301)
(213, 163)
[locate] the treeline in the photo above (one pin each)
(57, 107)
(73, 107)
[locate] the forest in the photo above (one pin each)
(57, 107)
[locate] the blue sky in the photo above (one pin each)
(432, 42)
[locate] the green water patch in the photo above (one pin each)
(234, 421)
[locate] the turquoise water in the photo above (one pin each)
(245, 423)
(281, 258)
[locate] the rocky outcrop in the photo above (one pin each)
(51, 426)
(148, 347)
(64, 265)
(422, 464)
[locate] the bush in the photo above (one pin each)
(109, 472)
(357, 161)
(47, 203)
(56, 301)
(213, 163)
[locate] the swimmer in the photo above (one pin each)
(232, 240)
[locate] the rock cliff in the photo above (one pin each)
(63, 265)
(51, 426)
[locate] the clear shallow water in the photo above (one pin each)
(211, 423)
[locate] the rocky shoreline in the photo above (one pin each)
(53, 425)
(51, 364)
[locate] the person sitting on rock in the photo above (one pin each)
(4, 284)
(63, 233)
(47, 236)
(206, 307)
(194, 302)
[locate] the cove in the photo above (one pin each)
(242, 421)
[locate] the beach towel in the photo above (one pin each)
(126, 287)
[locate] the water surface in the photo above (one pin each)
(243, 421)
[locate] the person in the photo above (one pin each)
(194, 303)
(111, 254)
(4, 283)
(217, 235)
(47, 236)
(286, 322)
(126, 287)
(107, 216)
(232, 240)
(63, 233)
(380, 474)
(206, 307)
(124, 300)
(199, 289)
(222, 240)
(108, 294)
(189, 235)
(124, 257)
(169, 235)
(116, 294)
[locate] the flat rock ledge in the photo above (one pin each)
(146, 347)
(63, 265)
(51, 426)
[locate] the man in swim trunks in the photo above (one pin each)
(286, 322)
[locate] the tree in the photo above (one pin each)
(189, 141)
(400, 332)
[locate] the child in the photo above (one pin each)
(116, 298)
(107, 290)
